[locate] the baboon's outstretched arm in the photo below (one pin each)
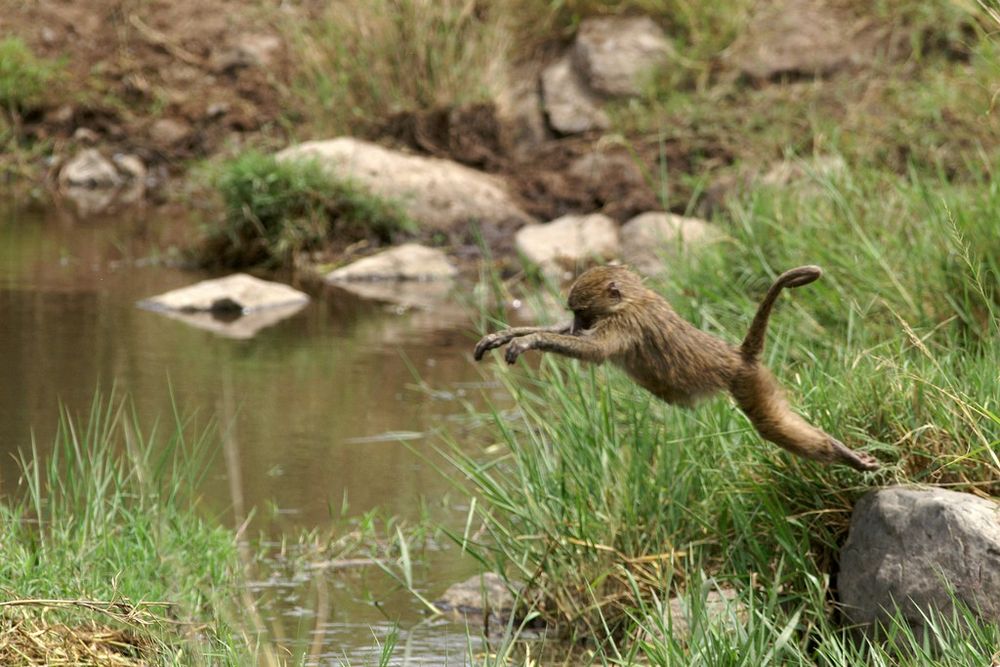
(501, 338)
(585, 348)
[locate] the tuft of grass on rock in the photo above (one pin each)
(275, 210)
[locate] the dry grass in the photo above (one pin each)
(65, 632)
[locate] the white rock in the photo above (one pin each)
(650, 238)
(440, 195)
(89, 169)
(569, 241)
(570, 107)
(410, 261)
(614, 54)
(236, 293)
(717, 607)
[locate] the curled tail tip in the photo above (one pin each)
(802, 275)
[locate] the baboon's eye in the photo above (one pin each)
(613, 290)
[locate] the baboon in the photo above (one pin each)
(617, 318)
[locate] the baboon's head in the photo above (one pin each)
(600, 291)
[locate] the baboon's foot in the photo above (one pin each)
(857, 460)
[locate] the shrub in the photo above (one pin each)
(23, 76)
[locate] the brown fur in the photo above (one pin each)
(617, 318)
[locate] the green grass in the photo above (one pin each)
(606, 501)
(24, 77)
(110, 517)
(276, 210)
(359, 61)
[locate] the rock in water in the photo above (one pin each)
(910, 546)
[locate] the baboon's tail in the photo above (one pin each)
(753, 344)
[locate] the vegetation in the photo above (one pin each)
(106, 550)
(24, 78)
(275, 210)
(607, 502)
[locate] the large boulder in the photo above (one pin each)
(569, 241)
(650, 238)
(614, 53)
(410, 261)
(571, 108)
(440, 195)
(915, 548)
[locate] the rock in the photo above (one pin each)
(613, 54)
(440, 195)
(130, 166)
(568, 241)
(788, 172)
(478, 597)
(716, 606)
(86, 136)
(169, 131)
(410, 261)
(569, 106)
(89, 169)
(805, 37)
(521, 114)
(648, 239)
(906, 543)
(238, 293)
(249, 51)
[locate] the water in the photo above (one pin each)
(313, 407)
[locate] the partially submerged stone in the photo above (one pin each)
(238, 293)
(921, 549)
(650, 239)
(615, 53)
(410, 261)
(569, 241)
(479, 598)
(440, 195)
(237, 306)
(89, 169)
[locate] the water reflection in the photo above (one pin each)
(312, 408)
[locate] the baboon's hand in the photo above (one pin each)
(518, 347)
(490, 342)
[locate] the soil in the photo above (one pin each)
(166, 80)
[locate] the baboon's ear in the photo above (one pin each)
(613, 291)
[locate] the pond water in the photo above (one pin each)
(314, 406)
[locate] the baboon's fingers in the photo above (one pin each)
(514, 350)
(486, 343)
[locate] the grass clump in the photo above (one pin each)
(106, 550)
(607, 502)
(275, 210)
(362, 60)
(24, 77)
